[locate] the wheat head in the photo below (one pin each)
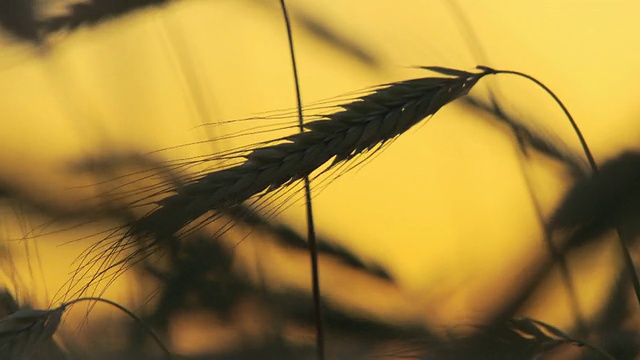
(26, 331)
(361, 125)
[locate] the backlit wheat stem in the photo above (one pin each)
(311, 232)
(574, 125)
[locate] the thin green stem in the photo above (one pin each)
(628, 260)
(311, 233)
(128, 312)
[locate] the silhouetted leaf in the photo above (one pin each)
(94, 11)
(599, 203)
(31, 20)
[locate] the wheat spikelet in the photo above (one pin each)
(25, 331)
(362, 125)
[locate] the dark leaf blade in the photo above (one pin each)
(290, 238)
(608, 199)
(338, 40)
(527, 135)
(18, 17)
(93, 12)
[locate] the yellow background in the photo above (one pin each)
(445, 208)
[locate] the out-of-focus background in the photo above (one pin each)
(435, 241)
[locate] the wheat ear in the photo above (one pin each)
(25, 331)
(362, 125)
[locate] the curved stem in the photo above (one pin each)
(583, 142)
(628, 259)
(311, 233)
(126, 311)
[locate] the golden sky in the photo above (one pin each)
(445, 208)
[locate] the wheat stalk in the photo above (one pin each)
(311, 233)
